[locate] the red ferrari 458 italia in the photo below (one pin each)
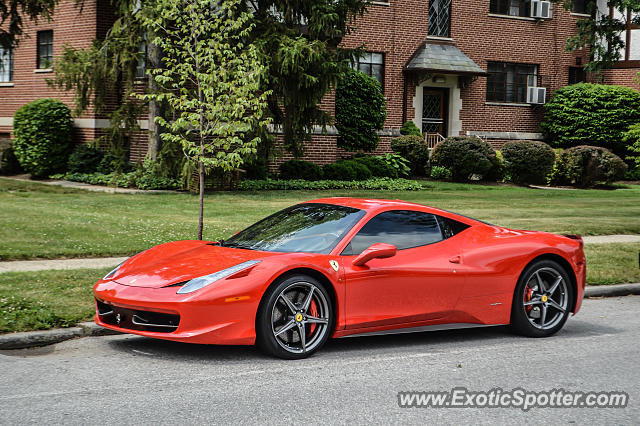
(341, 267)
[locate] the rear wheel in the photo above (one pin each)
(295, 318)
(542, 300)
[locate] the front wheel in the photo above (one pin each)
(295, 318)
(542, 300)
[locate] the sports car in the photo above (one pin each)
(338, 267)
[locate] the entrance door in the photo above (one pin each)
(435, 110)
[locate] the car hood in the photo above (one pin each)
(181, 261)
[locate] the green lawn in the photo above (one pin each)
(612, 263)
(48, 299)
(50, 222)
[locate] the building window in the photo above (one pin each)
(141, 66)
(577, 75)
(511, 7)
(45, 49)
(6, 65)
(439, 18)
(580, 6)
(508, 82)
(372, 64)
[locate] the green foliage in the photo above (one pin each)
(410, 128)
(386, 184)
(43, 141)
(9, 164)
(346, 170)
(211, 80)
(378, 165)
(84, 159)
(137, 179)
(415, 150)
(440, 173)
(591, 114)
(114, 163)
(360, 111)
(256, 167)
(585, 166)
(466, 156)
(12, 13)
(601, 34)
(17, 313)
(528, 162)
(300, 169)
(397, 162)
(631, 138)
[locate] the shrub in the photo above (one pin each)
(43, 140)
(9, 164)
(360, 111)
(346, 170)
(466, 156)
(415, 150)
(631, 138)
(591, 114)
(410, 128)
(370, 184)
(440, 173)
(84, 159)
(378, 166)
(528, 161)
(300, 169)
(114, 163)
(584, 166)
(398, 162)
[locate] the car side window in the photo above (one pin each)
(402, 228)
(450, 227)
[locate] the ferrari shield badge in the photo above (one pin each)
(334, 265)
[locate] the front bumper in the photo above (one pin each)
(161, 313)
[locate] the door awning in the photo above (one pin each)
(443, 58)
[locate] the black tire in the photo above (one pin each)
(315, 322)
(540, 310)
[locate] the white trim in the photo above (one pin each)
(580, 15)
(42, 70)
(82, 123)
(506, 135)
(381, 3)
(454, 125)
(509, 104)
(521, 18)
(431, 37)
(6, 83)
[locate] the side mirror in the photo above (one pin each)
(376, 251)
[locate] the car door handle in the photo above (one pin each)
(454, 259)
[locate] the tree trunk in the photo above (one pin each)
(201, 213)
(155, 109)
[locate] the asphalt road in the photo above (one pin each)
(133, 380)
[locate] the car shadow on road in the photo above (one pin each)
(384, 344)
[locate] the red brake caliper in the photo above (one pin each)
(528, 294)
(313, 311)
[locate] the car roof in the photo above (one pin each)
(373, 205)
(368, 204)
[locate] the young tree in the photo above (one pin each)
(211, 80)
(602, 34)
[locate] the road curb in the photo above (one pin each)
(31, 339)
(612, 290)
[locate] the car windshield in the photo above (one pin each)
(307, 228)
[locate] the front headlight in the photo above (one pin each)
(113, 271)
(198, 283)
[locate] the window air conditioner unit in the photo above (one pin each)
(536, 95)
(540, 9)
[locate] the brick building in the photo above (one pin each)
(454, 67)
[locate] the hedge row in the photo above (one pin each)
(371, 184)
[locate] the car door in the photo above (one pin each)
(421, 282)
